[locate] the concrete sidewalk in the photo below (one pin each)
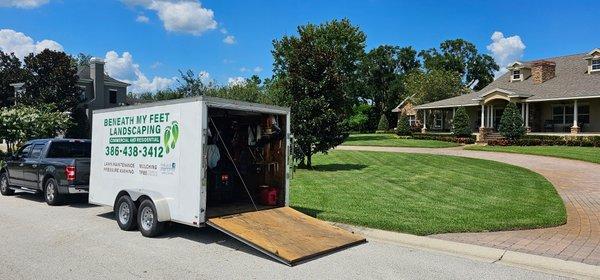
(577, 182)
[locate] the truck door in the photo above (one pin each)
(15, 165)
(31, 167)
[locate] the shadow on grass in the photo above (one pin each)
(308, 211)
(338, 167)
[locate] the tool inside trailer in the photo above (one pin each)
(246, 162)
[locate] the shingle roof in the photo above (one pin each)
(84, 73)
(571, 81)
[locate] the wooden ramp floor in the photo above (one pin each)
(285, 234)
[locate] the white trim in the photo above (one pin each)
(563, 98)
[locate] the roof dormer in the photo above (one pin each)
(518, 71)
(593, 60)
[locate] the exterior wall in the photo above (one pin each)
(121, 96)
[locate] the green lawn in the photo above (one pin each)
(391, 140)
(425, 194)
(590, 154)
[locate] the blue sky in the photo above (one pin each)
(160, 37)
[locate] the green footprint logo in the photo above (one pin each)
(174, 133)
(171, 136)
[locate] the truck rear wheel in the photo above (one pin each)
(51, 194)
(126, 213)
(148, 220)
(4, 187)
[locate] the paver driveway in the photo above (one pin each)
(577, 182)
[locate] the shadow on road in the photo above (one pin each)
(205, 235)
(75, 201)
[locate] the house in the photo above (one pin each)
(559, 95)
(407, 108)
(98, 89)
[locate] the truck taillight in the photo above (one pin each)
(70, 172)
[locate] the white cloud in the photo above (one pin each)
(223, 30)
(142, 19)
(156, 65)
(236, 81)
(185, 16)
(505, 50)
(244, 69)
(123, 68)
(23, 4)
(16, 42)
(229, 39)
(204, 76)
(257, 69)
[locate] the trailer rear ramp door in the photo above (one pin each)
(285, 234)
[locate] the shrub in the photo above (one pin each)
(383, 123)
(447, 138)
(548, 140)
(460, 123)
(511, 123)
(403, 126)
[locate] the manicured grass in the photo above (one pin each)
(392, 140)
(590, 154)
(425, 194)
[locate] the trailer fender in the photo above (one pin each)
(161, 203)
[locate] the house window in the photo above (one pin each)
(596, 65)
(412, 120)
(437, 120)
(516, 75)
(563, 114)
(112, 96)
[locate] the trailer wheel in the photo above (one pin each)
(148, 219)
(51, 194)
(4, 187)
(126, 213)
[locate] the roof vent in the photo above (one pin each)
(542, 71)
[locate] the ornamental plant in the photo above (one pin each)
(511, 123)
(383, 123)
(403, 126)
(461, 126)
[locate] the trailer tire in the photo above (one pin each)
(126, 213)
(147, 219)
(51, 194)
(4, 187)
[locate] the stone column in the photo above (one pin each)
(523, 111)
(481, 136)
(482, 116)
(492, 116)
(575, 129)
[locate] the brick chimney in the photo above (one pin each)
(542, 71)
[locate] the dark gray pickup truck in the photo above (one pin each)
(54, 167)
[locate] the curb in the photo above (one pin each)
(492, 255)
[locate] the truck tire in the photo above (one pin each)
(51, 194)
(126, 213)
(4, 187)
(148, 219)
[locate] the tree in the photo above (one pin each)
(433, 85)
(383, 69)
(511, 123)
(461, 126)
(21, 123)
(461, 57)
(10, 72)
(383, 123)
(404, 128)
(82, 59)
(317, 70)
(50, 79)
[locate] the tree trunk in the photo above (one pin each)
(309, 158)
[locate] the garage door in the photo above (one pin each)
(285, 234)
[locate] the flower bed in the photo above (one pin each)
(548, 140)
(446, 138)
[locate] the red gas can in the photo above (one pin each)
(268, 195)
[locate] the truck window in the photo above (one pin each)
(37, 151)
(70, 150)
(24, 151)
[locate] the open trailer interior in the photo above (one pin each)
(246, 161)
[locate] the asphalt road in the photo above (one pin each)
(81, 241)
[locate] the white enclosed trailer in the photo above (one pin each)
(206, 161)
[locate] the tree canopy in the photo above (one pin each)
(10, 72)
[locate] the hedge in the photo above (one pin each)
(548, 140)
(446, 138)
